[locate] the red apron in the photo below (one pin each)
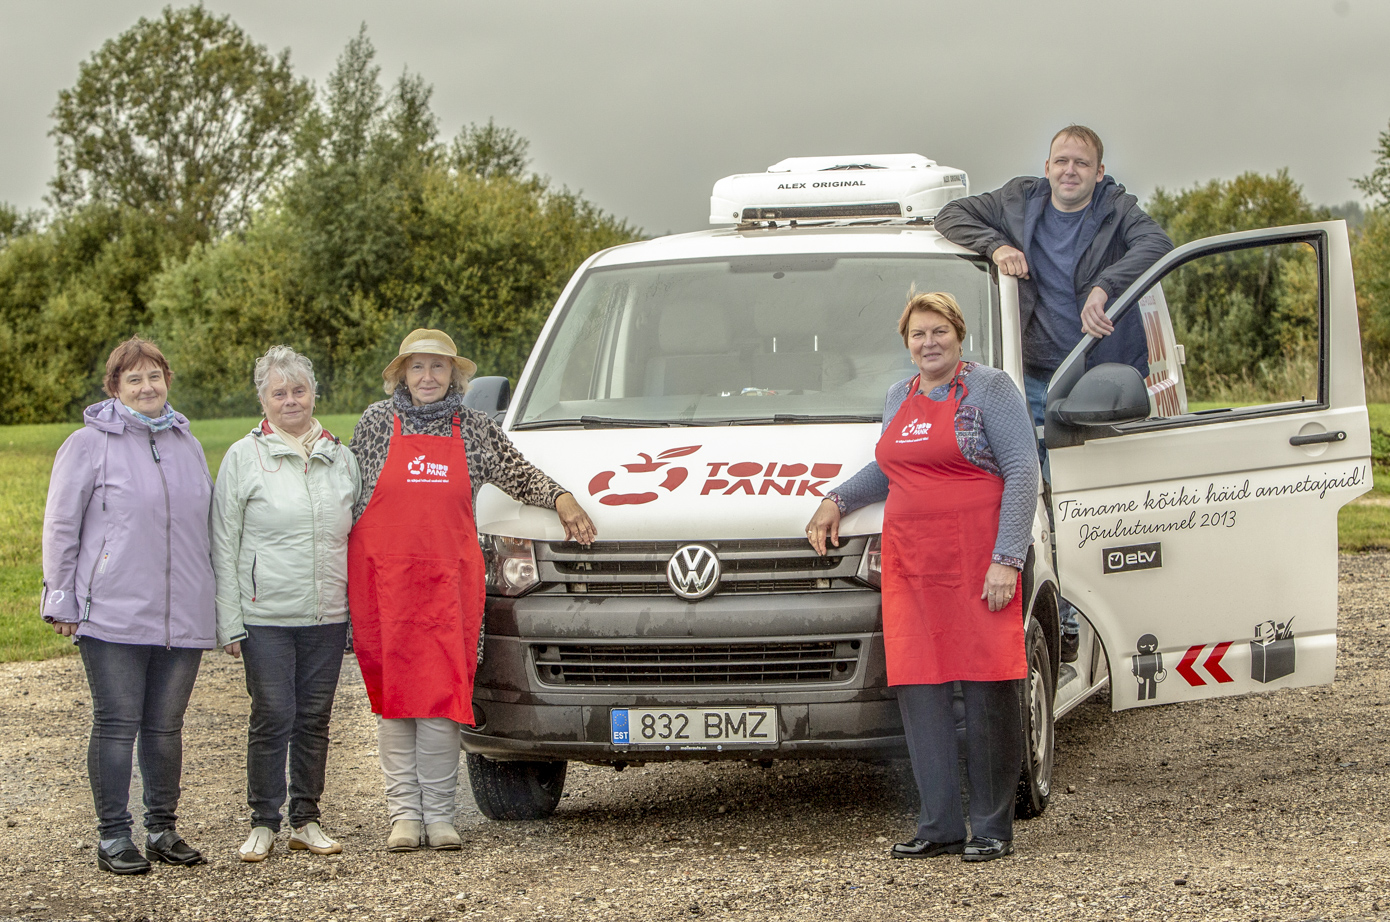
(939, 528)
(415, 581)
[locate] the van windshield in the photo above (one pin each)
(805, 338)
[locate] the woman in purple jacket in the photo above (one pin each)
(127, 573)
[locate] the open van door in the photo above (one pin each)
(1202, 544)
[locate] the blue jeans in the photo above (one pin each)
(139, 693)
(292, 677)
(1036, 391)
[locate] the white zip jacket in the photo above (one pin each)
(280, 532)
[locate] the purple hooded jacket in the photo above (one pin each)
(125, 533)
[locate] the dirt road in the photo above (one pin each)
(1272, 807)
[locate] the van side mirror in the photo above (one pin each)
(1107, 395)
(491, 395)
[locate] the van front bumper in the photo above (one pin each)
(530, 704)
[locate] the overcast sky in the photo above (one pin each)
(642, 105)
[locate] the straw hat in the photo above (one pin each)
(430, 342)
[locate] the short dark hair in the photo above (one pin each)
(1084, 135)
(130, 354)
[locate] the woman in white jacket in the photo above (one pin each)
(282, 510)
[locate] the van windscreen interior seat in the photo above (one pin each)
(697, 357)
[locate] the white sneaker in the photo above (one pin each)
(443, 837)
(311, 836)
(258, 844)
(405, 836)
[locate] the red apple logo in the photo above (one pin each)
(675, 476)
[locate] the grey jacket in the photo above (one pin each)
(1127, 241)
(125, 533)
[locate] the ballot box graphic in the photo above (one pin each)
(1272, 651)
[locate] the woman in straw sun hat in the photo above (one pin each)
(415, 572)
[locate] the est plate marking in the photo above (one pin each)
(694, 728)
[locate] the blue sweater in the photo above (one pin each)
(995, 433)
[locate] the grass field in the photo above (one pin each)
(26, 458)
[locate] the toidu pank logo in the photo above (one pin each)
(723, 478)
(424, 471)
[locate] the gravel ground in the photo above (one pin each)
(1270, 807)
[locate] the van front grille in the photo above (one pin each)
(626, 568)
(702, 664)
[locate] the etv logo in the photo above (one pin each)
(1134, 557)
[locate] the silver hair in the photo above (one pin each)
(283, 362)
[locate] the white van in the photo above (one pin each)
(699, 393)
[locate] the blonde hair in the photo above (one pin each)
(458, 382)
(936, 302)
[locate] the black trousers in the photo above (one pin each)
(993, 756)
(292, 676)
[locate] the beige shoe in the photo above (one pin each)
(259, 844)
(443, 837)
(405, 836)
(311, 836)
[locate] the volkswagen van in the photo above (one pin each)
(700, 393)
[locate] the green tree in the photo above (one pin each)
(1377, 183)
(1371, 264)
(182, 116)
(489, 151)
(378, 232)
(1246, 312)
(68, 294)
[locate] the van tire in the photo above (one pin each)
(1039, 732)
(515, 790)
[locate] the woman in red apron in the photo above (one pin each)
(416, 574)
(957, 465)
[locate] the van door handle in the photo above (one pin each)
(1316, 437)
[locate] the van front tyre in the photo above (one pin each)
(1035, 779)
(515, 790)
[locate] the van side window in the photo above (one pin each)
(1235, 331)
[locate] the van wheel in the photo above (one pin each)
(515, 790)
(1035, 780)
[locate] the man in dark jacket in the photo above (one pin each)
(1075, 239)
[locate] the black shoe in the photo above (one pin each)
(170, 848)
(123, 858)
(1070, 643)
(983, 848)
(921, 848)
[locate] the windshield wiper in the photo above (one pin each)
(613, 422)
(818, 418)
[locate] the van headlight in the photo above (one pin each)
(871, 564)
(511, 565)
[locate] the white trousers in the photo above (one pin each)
(420, 759)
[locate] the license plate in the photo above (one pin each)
(694, 728)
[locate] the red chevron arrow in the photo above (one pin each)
(1212, 664)
(1185, 667)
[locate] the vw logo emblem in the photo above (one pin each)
(693, 572)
